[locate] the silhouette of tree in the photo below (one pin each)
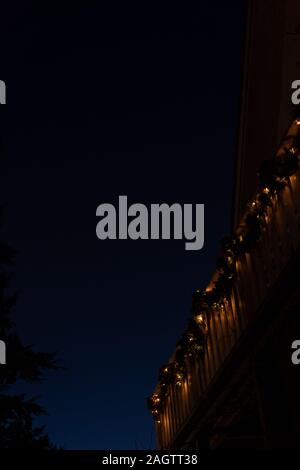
(17, 411)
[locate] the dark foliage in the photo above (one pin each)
(17, 412)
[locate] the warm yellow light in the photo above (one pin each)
(266, 190)
(200, 318)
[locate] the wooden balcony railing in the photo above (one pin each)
(256, 272)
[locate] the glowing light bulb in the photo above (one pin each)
(200, 318)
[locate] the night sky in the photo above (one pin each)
(138, 99)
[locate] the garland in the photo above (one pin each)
(273, 177)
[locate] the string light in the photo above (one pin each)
(274, 176)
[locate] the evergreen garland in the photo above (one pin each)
(273, 177)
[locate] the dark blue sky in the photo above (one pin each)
(136, 98)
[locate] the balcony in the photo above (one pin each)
(226, 323)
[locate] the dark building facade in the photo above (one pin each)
(231, 384)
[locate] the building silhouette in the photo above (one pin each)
(231, 383)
